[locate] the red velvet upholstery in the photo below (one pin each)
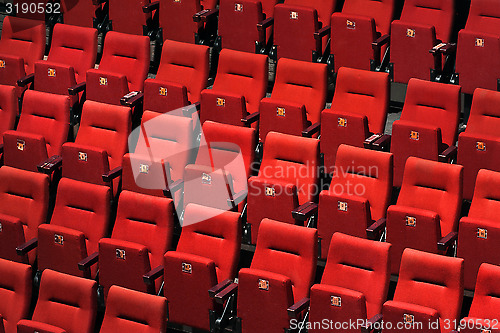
(370, 19)
(15, 294)
(478, 232)
(73, 51)
(182, 73)
(8, 109)
(282, 272)
(357, 273)
(295, 22)
(24, 200)
(223, 149)
(104, 129)
(176, 19)
(428, 284)
(65, 302)
(80, 13)
(298, 84)
(132, 311)
(479, 145)
(207, 253)
(124, 66)
(428, 207)
(478, 47)
(483, 312)
(22, 43)
(127, 16)
(288, 177)
(423, 25)
(239, 74)
(359, 194)
(359, 108)
(80, 219)
(142, 233)
(41, 131)
(428, 123)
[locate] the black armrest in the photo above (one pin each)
(314, 128)
(262, 26)
(188, 111)
(371, 322)
(205, 15)
(24, 81)
(152, 275)
(447, 240)
(217, 288)
(89, 261)
(173, 188)
(305, 211)
(374, 230)
(298, 307)
(112, 174)
(448, 49)
(318, 35)
(225, 293)
(77, 88)
(237, 198)
(371, 139)
(151, 6)
(382, 143)
(251, 118)
(23, 249)
(379, 42)
(1, 148)
(449, 154)
(50, 165)
(132, 99)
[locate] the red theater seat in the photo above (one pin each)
(359, 109)
(288, 178)
(423, 25)
(132, 311)
(42, 130)
(15, 294)
(428, 125)
(479, 145)
(355, 282)
(478, 48)
(206, 258)
(359, 194)
(361, 23)
(123, 68)
(478, 232)
(24, 201)
(222, 167)
(483, 314)
(240, 84)
(298, 96)
(22, 43)
(426, 215)
(281, 274)
(127, 16)
(65, 304)
(182, 75)
(296, 25)
(430, 290)
(83, 13)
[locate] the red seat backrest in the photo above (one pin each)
(8, 108)
(303, 83)
(324, 8)
(434, 104)
(186, 64)
(484, 116)
(435, 187)
(437, 13)
(484, 16)
(433, 281)
(80, 13)
(127, 16)
(486, 200)
(360, 265)
(486, 298)
(288, 250)
(294, 160)
(128, 55)
(381, 11)
(217, 236)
